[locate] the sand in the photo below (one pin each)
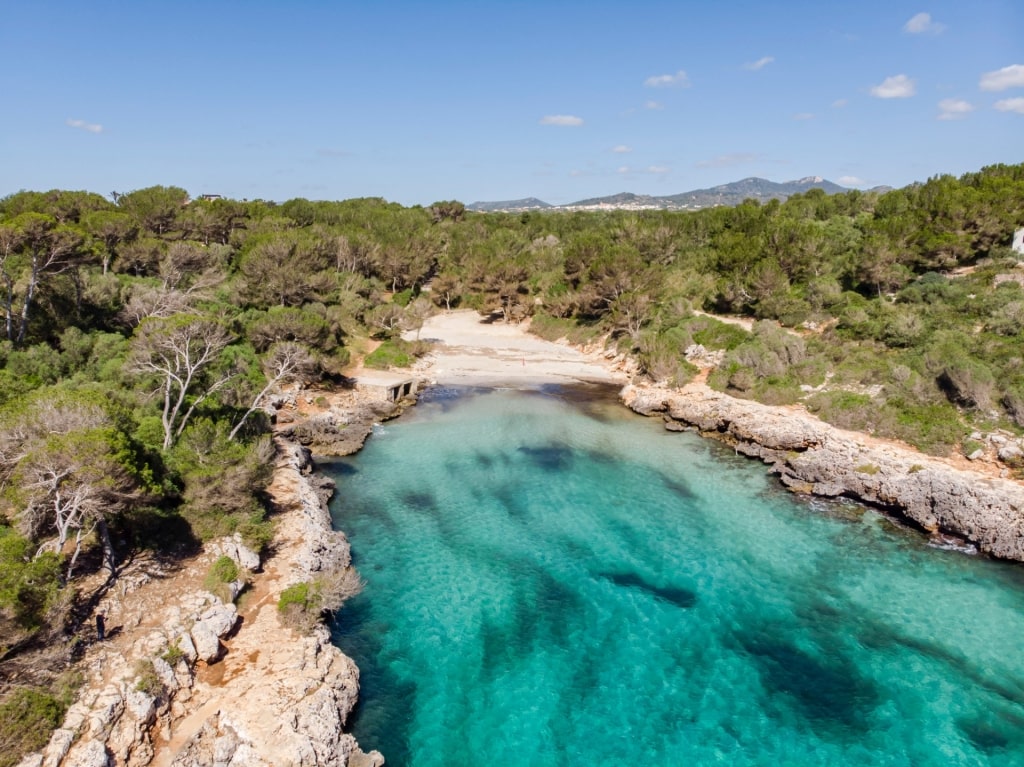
(468, 350)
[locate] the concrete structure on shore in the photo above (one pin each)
(387, 387)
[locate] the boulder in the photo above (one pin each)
(206, 642)
(233, 547)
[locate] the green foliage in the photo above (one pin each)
(29, 584)
(223, 570)
(555, 328)
(222, 482)
(393, 353)
(303, 604)
(713, 334)
(27, 717)
(173, 655)
(146, 679)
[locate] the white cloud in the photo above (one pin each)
(83, 125)
(850, 181)
(563, 121)
(1011, 105)
(678, 80)
(623, 169)
(622, 149)
(921, 24)
(728, 160)
(1001, 79)
(895, 87)
(657, 169)
(762, 62)
(656, 105)
(840, 103)
(803, 116)
(954, 109)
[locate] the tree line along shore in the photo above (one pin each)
(147, 337)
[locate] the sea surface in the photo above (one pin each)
(552, 580)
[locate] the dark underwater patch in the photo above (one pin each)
(827, 689)
(550, 458)
(420, 501)
(674, 595)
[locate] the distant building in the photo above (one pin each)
(211, 197)
(1018, 241)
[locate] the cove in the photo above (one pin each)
(552, 580)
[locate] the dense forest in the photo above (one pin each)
(145, 334)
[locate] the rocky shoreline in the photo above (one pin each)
(189, 680)
(811, 456)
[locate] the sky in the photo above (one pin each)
(424, 101)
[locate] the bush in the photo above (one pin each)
(303, 604)
(27, 717)
(147, 680)
(223, 482)
(173, 654)
(223, 571)
(393, 353)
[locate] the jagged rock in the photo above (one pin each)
(233, 547)
(976, 455)
(92, 754)
(165, 674)
(206, 641)
(221, 618)
(188, 649)
(811, 454)
(1010, 453)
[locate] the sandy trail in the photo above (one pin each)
(470, 351)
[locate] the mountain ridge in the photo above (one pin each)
(730, 194)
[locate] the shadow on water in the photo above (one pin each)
(385, 710)
(831, 695)
(673, 595)
(551, 458)
(337, 467)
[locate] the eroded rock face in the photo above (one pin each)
(271, 697)
(341, 432)
(811, 456)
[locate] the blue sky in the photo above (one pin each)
(423, 101)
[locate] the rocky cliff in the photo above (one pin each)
(186, 680)
(813, 457)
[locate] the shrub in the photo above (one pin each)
(173, 654)
(223, 571)
(27, 717)
(303, 604)
(147, 680)
(393, 353)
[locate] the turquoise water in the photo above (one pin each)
(555, 581)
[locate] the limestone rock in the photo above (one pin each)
(1010, 453)
(206, 641)
(233, 547)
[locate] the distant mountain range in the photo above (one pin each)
(759, 189)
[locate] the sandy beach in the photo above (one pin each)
(468, 350)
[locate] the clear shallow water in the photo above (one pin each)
(552, 583)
